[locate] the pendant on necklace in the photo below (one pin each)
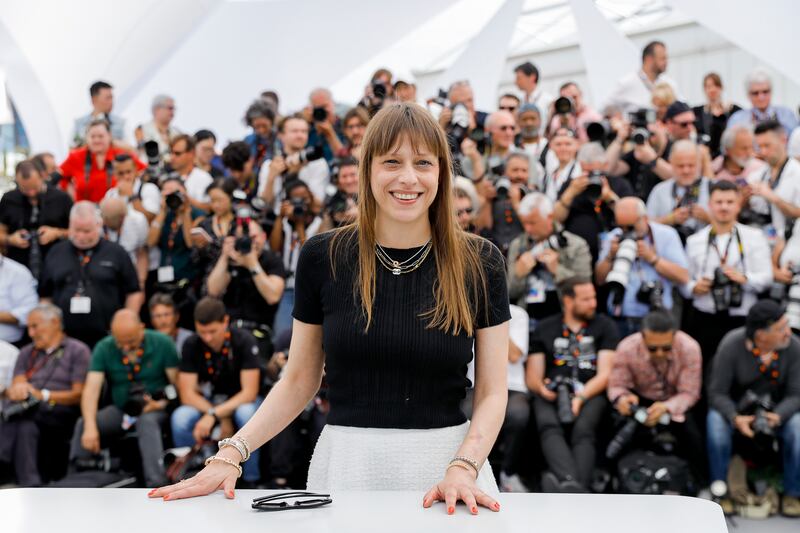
(395, 264)
(396, 271)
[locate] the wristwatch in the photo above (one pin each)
(212, 412)
(45, 395)
(256, 270)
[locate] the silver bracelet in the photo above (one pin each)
(235, 443)
(471, 462)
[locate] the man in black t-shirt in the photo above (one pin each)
(33, 217)
(218, 381)
(250, 284)
(570, 362)
(88, 277)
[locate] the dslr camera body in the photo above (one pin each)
(790, 295)
(758, 406)
(624, 436)
(651, 293)
(619, 275)
(725, 292)
(564, 387)
(639, 121)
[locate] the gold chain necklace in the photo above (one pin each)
(404, 267)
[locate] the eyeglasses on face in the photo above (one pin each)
(287, 501)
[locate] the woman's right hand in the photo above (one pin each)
(217, 475)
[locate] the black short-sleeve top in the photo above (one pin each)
(399, 373)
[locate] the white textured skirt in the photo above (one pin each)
(354, 458)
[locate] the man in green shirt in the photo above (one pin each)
(140, 366)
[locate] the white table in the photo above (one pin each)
(129, 510)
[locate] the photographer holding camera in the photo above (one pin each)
(43, 399)
(755, 390)
(140, 366)
(341, 207)
(327, 130)
(786, 273)
(194, 178)
(295, 224)
(574, 351)
(260, 116)
(570, 111)
(585, 204)
(729, 265)
(141, 196)
(776, 192)
(681, 201)
(660, 369)
(171, 234)
(249, 279)
(297, 161)
(460, 119)
(33, 217)
(642, 165)
(355, 124)
(239, 161)
(640, 261)
(541, 258)
(218, 381)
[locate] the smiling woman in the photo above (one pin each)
(400, 299)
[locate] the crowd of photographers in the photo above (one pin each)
(653, 253)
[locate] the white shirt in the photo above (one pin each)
(315, 174)
(704, 259)
(542, 99)
(291, 246)
(554, 180)
(518, 334)
(793, 145)
(791, 252)
(148, 192)
(17, 296)
(133, 234)
(196, 184)
(8, 360)
(788, 189)
(634, 91)
(665, 196)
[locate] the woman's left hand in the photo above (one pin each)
(459, 484)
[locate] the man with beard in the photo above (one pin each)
(571, 353)
(761, 359)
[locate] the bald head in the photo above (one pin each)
(127, 330)
(629, 210)
(113, 212)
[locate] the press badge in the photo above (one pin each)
(80, 305)
(536, 291)
(166, 274)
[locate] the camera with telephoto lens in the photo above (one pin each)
(138, 398)
(639, 121)
(174, 200)
(459, 123)
(319, 114)
(619, 275)
(102, 462)
(624, 436)
(17, 410)
(379, 90)
(725, 292)
(600, 132)
(299, 207)
(758, 406)
(595, 186)
(156, 171)
(789, 294)
(564, 106)
(651, 293)
(564, 387)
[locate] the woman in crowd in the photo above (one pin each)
(425, 294)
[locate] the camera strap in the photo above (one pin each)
(84, 258)
(36, 363)
(554, 181)
(690, 195)
(87, 169)
(723, 259)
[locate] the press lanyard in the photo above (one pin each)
(88, 170)
(84, 258)
(723, 259)
(692, 191)
(215, 365)
(35, 363)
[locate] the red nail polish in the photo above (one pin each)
(166, 497)
(474, 510)
(497, 506)
(450, 510)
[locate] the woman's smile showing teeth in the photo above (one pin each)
(406, 196)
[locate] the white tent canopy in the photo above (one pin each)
(215, 56)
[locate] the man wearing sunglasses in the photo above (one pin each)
(758, 86)
(660, 369)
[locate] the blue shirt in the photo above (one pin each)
(17, 295)
(784, 115)
(668, 247)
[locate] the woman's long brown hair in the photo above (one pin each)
(460, 286)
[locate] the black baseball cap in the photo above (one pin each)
(762, 315)
(676, 108)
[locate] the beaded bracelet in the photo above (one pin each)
(225, 460)
(471, 462)
(239, 444)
